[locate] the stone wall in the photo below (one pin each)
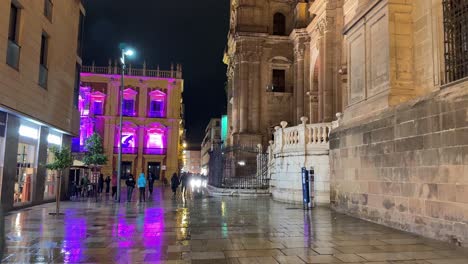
(407, 167)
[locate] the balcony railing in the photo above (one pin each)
(115, 69)
(154, 151)
(13, 54)
(126, 150)
(43, 72)
(156, 114)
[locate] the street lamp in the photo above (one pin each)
(125, 53)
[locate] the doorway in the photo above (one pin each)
(155, 169)
(126, 170)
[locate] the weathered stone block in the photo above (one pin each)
(409, 144)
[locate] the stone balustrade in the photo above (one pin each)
(115, 69)
(304, 145)
(301, 138)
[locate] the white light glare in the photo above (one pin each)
(29, 132)
(129, 52)
(53, 139)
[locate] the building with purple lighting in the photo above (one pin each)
(152, 127)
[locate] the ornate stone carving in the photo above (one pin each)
(325, 24)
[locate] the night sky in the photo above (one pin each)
(189, 32)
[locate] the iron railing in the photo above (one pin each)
(238, 167)
(126, 150)
(455, 19)
(154, 151)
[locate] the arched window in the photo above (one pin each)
(279, 24)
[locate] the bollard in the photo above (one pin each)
(305, 189)
(312, 187)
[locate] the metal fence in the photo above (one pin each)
(238, 168)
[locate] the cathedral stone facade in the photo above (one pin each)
(394, 74)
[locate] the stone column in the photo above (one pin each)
(39, 183)
(235, 95)
(321, 79)
(244, 95)
(299, 55)
(255, 106)
(327, 66)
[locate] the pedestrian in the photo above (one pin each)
(174, 183)
(84, 185)
(114, 184)
(142, 186)
(107, 181)
(130, 182)
(78, 188)
(100, 183)
(150, 183)
(183, 182)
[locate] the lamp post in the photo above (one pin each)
(125, 52)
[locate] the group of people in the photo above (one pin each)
(84, 187)
(141, 183)
(182, 181)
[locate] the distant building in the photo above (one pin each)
(212, 139)
(40, 50)
(152, 124)
(192, 161)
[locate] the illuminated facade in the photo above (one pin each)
(40, 50)
(211, 140)
(152, 117)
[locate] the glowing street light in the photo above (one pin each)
(125, 53)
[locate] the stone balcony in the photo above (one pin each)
(305, 145)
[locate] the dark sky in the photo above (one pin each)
(189, 32)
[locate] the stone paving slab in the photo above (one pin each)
(210, 230)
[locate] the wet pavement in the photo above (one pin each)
(209, 230)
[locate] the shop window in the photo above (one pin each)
(279, 24)
(279, 81)
(13, 48)
(455, 14)
(26, 164)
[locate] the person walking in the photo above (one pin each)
(142, 186)
(150, 183)
(114, 184)
(100, 183)
(130, 182)
(183, 182)
(84, 185)
(107, 181)
(174, 183)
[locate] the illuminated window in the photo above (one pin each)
(157, 104)
(128, 106)
(155, 140)
(98, 108)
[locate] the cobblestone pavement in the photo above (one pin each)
(210, 230)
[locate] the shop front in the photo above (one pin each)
(25, 149)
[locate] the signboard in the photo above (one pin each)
(163, 167)
(224, 128)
